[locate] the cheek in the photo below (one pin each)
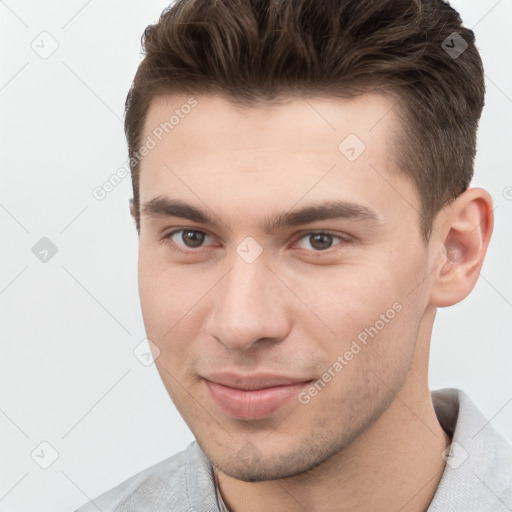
(348, 299)
(161, 297)
(166, 291)
(371, 314)
(369, 357)
(173, 301)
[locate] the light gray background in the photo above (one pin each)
(68, 327)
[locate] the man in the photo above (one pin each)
(301, 176)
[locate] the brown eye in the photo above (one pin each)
(319, 241)
(192, 238)
(187, 238)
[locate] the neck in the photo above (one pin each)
(395, 464)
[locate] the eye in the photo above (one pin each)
(320, 240)
(187, 238)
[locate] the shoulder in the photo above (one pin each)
(478, 471)
(159, 487)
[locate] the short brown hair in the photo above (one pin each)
(253, 51)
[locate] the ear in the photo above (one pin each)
(132, 210)
(465, 228)
(132, 213)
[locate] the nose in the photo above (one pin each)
(249, 307)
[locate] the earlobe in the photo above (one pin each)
(467, 228)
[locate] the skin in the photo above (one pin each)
(370, 439)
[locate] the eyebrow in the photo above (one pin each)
(325, 210)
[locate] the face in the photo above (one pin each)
(283, 256)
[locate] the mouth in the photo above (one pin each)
(252, 397)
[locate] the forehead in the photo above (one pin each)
(297, 123)
(310, 147)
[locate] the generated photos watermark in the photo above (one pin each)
(358, 343)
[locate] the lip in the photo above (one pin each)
(252, 397)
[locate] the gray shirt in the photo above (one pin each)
(477, 476)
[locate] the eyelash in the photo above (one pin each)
(344, 240)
